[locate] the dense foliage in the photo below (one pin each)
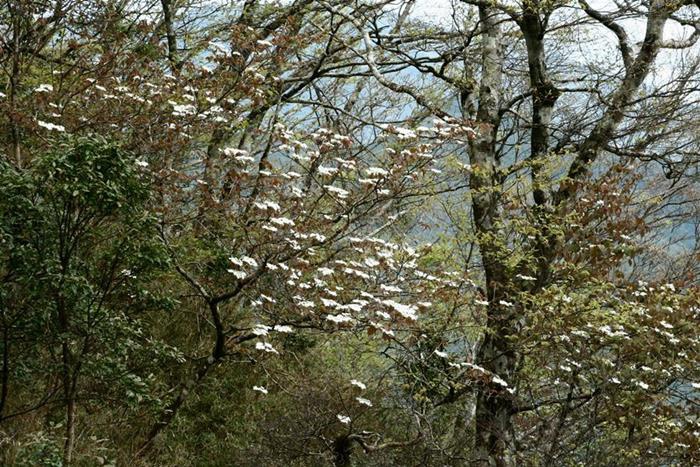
(349, 233)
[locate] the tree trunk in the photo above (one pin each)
(68, 381)
(493, 409)
(168, 14)
(70, 420)
(168, 415)
(5, 378)
(342, 450)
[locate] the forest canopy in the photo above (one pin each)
(349, 232)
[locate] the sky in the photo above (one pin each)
(605, 44)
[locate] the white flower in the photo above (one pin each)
(326, 170)
(317, 236)
(364, 401)
(441, 354)
(404, 310)
(267, 205)
(266, 346)
(344, 419)
(238, 274)
(141, 163)
(283, 328)
(183, 110)
(244, 159)
(580, 333)
(44, 88)
(368, 181)
(607, 330)
(250, 261)
(498, 380)
(260, 389)
(281, 221)
(338, 191)
(341, 318)
(235, 152)
(383, 315)
(403, 133)
(356, 307)
(51, 126)
(325, 271)
(329, 302)
(376, 171)
(356, 273)
(358, 384)
(261, 330)
(505, 303)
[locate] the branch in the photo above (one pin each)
(187, 276)
(683, 43)
(505, 8)
(618, 30)
(368, 59)
(604, 130)
(561, 400)
(360, 438)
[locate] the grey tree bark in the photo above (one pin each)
(494, 410)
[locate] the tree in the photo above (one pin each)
(515, 112)
(475, 204)
(77, 242)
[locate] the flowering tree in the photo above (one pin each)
(434, 242)
(535, 151)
